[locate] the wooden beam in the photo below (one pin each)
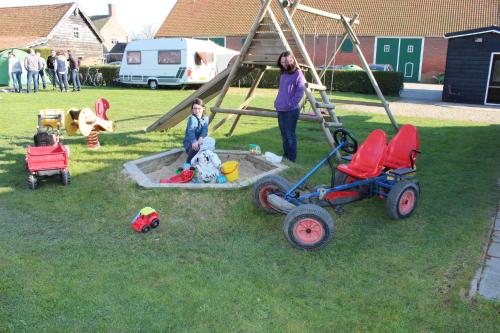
(323, 13)
(350, 102)
(261, 112)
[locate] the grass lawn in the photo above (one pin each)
(69, 260)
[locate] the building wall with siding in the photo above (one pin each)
(87, 46)
(113, 30)
(467, 67)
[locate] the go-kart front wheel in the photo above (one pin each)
(402, 200)
(269, 185)
(308, 227)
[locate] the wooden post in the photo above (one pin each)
(244, 49)
(247, 100)
(369, 73)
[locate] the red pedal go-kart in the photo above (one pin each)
(146, 219)
(375, 169)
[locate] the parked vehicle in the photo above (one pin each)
(173, 62)
(382, 68)
(146, 219)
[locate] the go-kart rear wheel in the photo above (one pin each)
(65, 177)
(402, 200)
(308, 227)
(145, 229)
(155, 223)
(32, 182)
(269, 185)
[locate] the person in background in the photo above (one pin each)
(15, 71)
(52, 72)
(61, 67)
(196, 129)
(41, 73)
(74, 68)
(287, 103)
(32, 64)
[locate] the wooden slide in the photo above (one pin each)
(206, 92)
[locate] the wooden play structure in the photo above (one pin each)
(267, 39)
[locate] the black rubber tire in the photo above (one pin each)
(145, 229)
(65, 177)
(153, 84)
(32, 182)
(402, 193)
(311, 212)
(155, 223)
(264, 186)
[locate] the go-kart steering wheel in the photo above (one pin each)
(350, 145)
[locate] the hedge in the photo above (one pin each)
(390, 83)
(110, 73)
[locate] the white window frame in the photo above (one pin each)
(488, 79)
(76, 32)
(409, 49)
(387, 48)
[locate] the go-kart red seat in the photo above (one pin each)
(403, 148)
(368, 161)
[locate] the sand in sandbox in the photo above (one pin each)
(246, 168)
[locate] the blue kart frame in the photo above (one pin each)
(308, 225)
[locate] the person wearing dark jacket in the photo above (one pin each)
(52, 71)
(74, 69)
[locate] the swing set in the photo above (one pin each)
(267, 39)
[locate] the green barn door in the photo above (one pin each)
(387, 51)
(410, 50)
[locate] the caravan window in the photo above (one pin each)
(133, 57)
(172, 57)
(203, 58)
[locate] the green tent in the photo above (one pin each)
(5, 79)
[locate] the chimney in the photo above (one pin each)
(112, 9)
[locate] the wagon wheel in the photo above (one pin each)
(32, 182)
(65, 177)
(402, 200)
(341, 135)
(308, 227)
(155, 223)
(269, 185)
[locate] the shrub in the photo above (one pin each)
(390, 83)
(109, 72)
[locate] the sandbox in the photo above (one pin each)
(148, 171)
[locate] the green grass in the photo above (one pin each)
(69, 260)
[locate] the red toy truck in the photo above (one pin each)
(146, 219)
(47, 161)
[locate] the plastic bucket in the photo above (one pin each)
(230, 170)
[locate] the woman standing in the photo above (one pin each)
(287, 103)
(61, 68)
(15, 71)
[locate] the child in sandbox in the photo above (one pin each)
(196, 129)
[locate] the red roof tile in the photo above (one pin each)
(377, 17)
(22, 25)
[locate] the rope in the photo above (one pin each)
(315, 37)
(334, 58)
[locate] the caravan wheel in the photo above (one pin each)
(153, 84)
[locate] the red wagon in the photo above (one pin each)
(46, 161)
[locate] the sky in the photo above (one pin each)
(132, 15)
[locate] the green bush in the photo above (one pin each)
(44, 52)
(109, 72)
(390, 83)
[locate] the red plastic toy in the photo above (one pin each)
(47, 161)
(184, 177)
(146, 219)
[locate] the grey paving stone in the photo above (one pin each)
(494, 249)
(497, 223)
(492, 265)
(490, 285)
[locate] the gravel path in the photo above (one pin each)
(445, 111)
(424, 101)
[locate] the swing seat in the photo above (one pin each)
(368, 161)
(403, 148)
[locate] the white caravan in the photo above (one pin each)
(173, 62)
